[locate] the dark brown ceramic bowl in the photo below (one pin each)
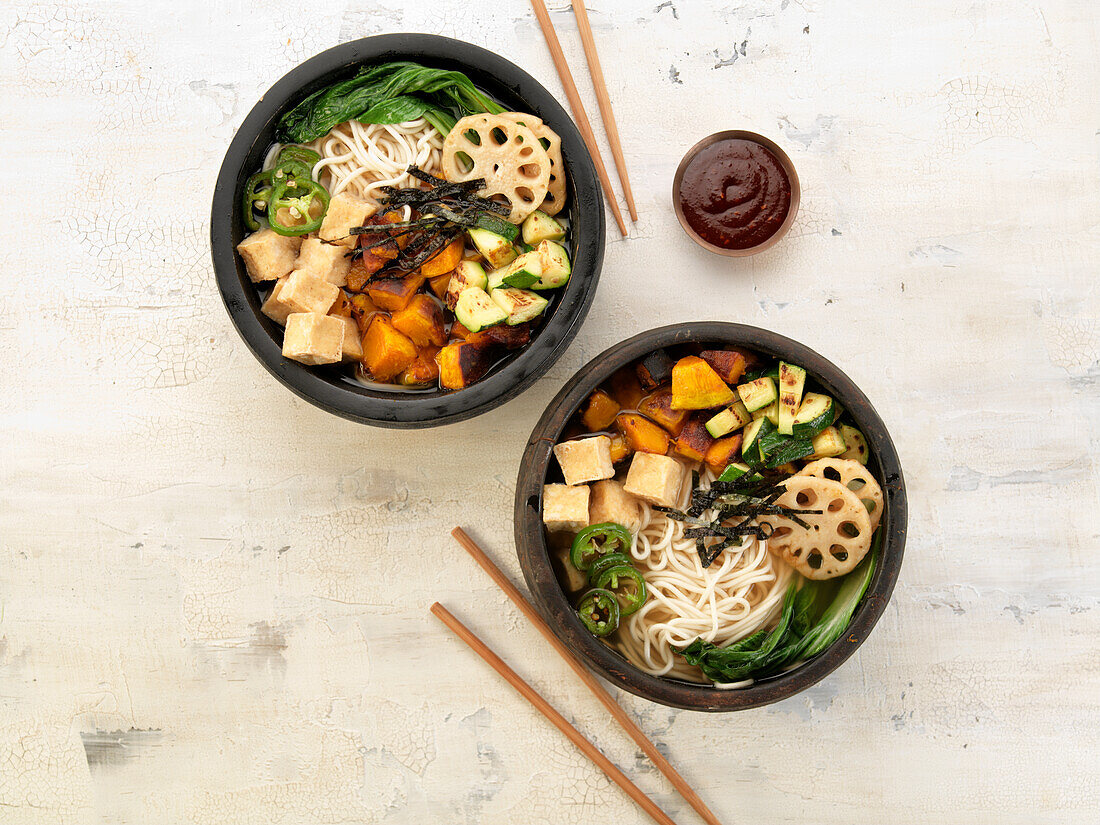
(784, 161)
(331, 388)
(551, 600)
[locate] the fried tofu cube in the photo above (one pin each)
(304, 292)
(274, 307)
(313, 339)
(268, 255)
(345, 211)
(324, 260)
(655, 479)
(353, 341)
(585, 459)
(564, 507)
(608, 501)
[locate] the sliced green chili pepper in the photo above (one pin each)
(257, 191)
(598, 540)
(626, 583)
(296, 194)
(604, 562)
(297, 161)
(599, 611)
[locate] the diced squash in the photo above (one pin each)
(341, 306)
(722, 452)
(856, 444)
(363, 310)
(600, 412)
(729, 364)
(461, 364)
(696, 386)
(625, 389)
(361, 268)
(642, 435)
(386, 352)
(828, 443)
(658, 406)
(619, 448)
(439, 283)
(508, 337)
(770, 412)
(445, 261)
(381, 244)
(694, 440)
(752, 360)
(393, 294)
(758, 393)
(459, 331)
(422, 320)
(423, 370)
(655, 369)
(733, 417)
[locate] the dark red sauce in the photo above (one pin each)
(735, 194)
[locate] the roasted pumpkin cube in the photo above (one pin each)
(422, 320)
(446, 260)
(361, 269)
(694, 440)
(363, 310)
(463, 363)
(459, 331)
(655, 369)
(341, 306)
(619, 448)
(508, 337)
(386, 352)
(393, 294)
(658, 406)
(439, 283)
(696, 386)
(642, 435)
(625, 388)
(723, 451)
(386, 246)
(423, 370)
(600, 412)
(729, 364)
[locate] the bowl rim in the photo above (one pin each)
(549, 597)
(390, 409)
(784, 161)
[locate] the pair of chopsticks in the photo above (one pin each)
(602, 99)
(529, 693)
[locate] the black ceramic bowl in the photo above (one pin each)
(330, 388)
(548, 595)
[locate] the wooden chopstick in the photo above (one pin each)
(613, 707)
(606, 113)
(578, 108)
(531, 695)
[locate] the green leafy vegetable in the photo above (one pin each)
(796, 637)
(388, 93)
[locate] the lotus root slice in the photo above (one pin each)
(551, 142)
(506, 154)
(838, 537)
(856, 478)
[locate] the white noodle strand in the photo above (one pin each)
(363, 157)
(739, 594)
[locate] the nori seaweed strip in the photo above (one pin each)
(754, 498)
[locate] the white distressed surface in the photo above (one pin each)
(188, 551)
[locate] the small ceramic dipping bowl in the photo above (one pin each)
(766, 242)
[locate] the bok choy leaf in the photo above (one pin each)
(388, 93)
(800, 634)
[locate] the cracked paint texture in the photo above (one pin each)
(213, 597)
